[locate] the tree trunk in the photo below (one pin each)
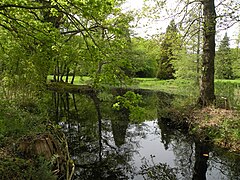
(199, 46)
(68, 70)
(73, 76)
(207, 96)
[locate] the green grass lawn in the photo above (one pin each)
(235, 81)
(177, 86)
(171, 86)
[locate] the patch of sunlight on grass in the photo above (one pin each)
(235, 81)
(177, 86)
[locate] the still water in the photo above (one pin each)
(109, 144)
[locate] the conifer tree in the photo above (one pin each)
(223, 60)
(169, 45)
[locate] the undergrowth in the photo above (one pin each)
(20, 119)
(22, 169)
(220, 125)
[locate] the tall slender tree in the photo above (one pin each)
(224, 68)
(170, 43)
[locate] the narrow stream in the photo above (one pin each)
(106, 144)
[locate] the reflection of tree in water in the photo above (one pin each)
(182, 146)
(201, 159)
(89, 136)
(102, 141)
(119, 127)
(227, 163)
(166, 137)
(155, 171)
(72, 107)
(111, 167)
(192, 157)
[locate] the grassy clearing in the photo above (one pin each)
(235, 81)
(179, 86)
(228, 91)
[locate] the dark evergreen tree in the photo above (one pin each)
(223, 60)
(169, 45)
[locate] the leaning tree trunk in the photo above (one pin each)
(207, 96)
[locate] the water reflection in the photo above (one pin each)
(105, 144)
(201, 159)
(119, 128)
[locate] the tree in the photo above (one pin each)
(236, 58)
(224, 60)
(143, 57)
(207, 95)
(185, 66)
(185, 9)
(61, 37)
(169, 46)
(228, 14)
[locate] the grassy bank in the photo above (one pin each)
(17, 122)
(222, 126)
(29, 142)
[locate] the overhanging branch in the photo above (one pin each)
(4, 6)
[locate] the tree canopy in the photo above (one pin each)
(62, 37)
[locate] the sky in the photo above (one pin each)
(145, 27)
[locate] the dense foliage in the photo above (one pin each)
(46, 42)
(39, 38)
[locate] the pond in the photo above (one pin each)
(109, 144)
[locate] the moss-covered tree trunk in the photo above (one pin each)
(207, 96)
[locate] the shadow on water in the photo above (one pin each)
(106, 144)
